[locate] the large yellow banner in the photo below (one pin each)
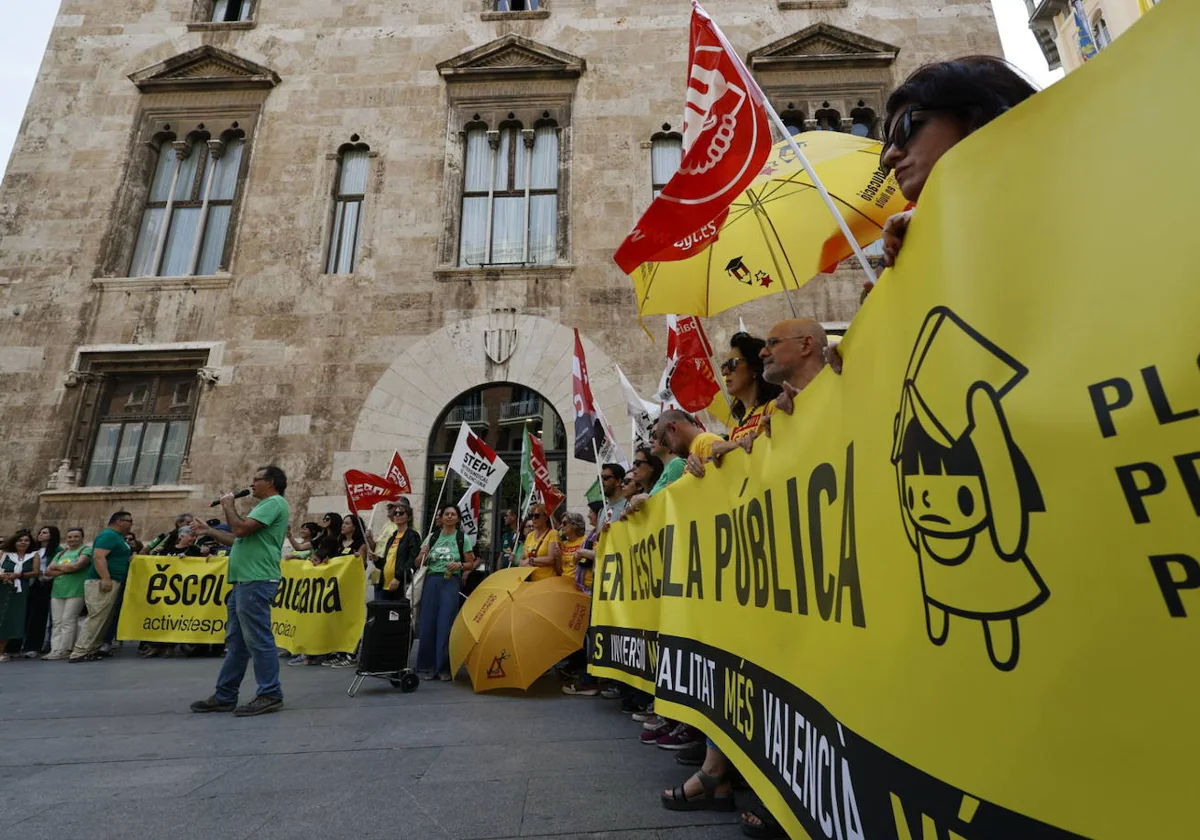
(956, 594)
(318, 609)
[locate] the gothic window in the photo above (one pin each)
(666, 153)
(229, 11)
(348, 195)
(510, 195)
(516, 5)
(793, 120)
(186, 220)
(862, 121)
(827, 119)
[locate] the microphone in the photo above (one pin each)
(241, 494)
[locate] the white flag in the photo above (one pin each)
(643, 412)
(475, 462)
(468, 512)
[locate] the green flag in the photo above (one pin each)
(526, 475)
(594, 493)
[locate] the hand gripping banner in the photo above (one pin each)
(957, 593)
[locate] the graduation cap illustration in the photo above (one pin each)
(953, 386)
(738, 270)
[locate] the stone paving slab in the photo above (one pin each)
(109, 750)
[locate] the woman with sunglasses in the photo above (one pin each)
(541, 546)
(399, 555)
(936, 107)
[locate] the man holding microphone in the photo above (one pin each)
(257, 546)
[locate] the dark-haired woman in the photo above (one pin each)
(20, 565)
(399, 555)
(351, 543)
(328, 544)
(37, 608)
(751, 396)
(447, 553)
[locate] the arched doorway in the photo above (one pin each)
(501, 413)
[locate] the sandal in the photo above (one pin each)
(708, 800)
(428, 677)
(445, 678)
(758, 823)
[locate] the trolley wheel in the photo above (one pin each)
(409, 683)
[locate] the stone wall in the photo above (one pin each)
(303, 353)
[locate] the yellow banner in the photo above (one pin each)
(957, 594)
(318, 609)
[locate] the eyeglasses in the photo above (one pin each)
(772, 343)
(730, 365)
(398, 512)
(537, 516)
(609, 477)
(640, 463)
(902, 133)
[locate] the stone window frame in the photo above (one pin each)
(201, 20)
(332, 176)
(803, 5)
(155, 125)
(807, 101)
(528, 109)
(93, 368)
(665, 132)
(488, 11)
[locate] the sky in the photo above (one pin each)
(23, 40)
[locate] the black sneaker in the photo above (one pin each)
(693, 755)
(260, 705)
(212, 704)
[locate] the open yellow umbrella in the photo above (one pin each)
(523, 632)
(479, 610)
(779, 233)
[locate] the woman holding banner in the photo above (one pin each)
(447, 554)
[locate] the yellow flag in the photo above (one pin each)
(957, 593)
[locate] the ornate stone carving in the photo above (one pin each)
(204, 68)
(208, 375)
(823, 45)
(512, 57)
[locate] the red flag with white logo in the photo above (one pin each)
(689, 379)
(726, 141)
(364, 490)
(551, 496)
(397, 474)
(593, 436)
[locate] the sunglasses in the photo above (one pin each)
(902, 133)
(640, 463)
(730, 365)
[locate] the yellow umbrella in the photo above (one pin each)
(779, 233)
(527, 631)
(480, 609)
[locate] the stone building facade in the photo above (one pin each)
(235, 232)
(1056, 28)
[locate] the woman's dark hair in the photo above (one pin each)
(976, 89)
(357, 540)
(445, 507)
(55, 540)
(750, 347)
(11, 543)
(335, 525)
(656, 464)
(313, 529)
(328, 542)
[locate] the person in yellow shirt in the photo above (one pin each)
(681, 434)
(541, 546)
(573, 532)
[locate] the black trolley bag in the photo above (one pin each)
(386, 642)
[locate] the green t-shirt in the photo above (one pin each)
(445, 552)
(119, 553)
(257, 556)
(71, 586)
(671, 472)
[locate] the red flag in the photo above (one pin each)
(364, 490)
(726, 141)
(551, 496)
(691, 380)
(593, 435)
(397, 474)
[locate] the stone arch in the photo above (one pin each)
(435, 369)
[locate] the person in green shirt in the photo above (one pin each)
(447, 554)
(68, 573)
(256, 542)
(102, 588)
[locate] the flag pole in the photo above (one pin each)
(437, 504)
(820, 187)
(600, 476)
(795, 147)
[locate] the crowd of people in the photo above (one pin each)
(59, 595)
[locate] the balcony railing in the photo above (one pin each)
(520, 409)
(466, 414)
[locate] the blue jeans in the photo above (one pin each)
(248, 635)
(439, 605)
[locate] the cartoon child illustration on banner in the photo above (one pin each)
(965, 488)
